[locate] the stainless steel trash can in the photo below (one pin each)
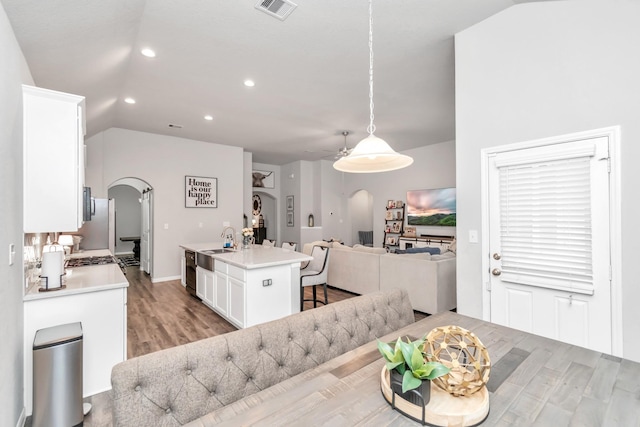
(57, 376)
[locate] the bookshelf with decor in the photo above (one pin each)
(393, 224)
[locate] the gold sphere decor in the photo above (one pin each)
(462, 352)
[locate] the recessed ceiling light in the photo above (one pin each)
(149, 53)
(208, 117)
(249, 83)
(130, 100)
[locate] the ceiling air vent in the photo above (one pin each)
(278, 8)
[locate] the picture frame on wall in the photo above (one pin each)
(290, 219)
(397, 204)
(389, 215)
(289, 203)
(200, 192)
(263, 179)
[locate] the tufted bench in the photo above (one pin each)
(178, 385)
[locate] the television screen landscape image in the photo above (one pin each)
(432, 207)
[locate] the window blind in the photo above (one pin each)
(546, 224)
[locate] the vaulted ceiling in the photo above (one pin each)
(310, 70)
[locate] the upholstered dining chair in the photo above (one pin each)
(289, 245)
(267, 242)
(315, 273)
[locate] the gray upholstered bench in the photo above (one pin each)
(181, 384)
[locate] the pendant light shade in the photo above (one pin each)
(372, 154)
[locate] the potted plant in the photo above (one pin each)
(410, 372)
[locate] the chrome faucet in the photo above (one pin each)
(233, 235)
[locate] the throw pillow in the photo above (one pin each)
(452, 246)
(432, 251)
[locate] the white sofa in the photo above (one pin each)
(430, 280)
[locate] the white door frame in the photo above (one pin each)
(615, 215)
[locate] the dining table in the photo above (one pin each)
(534, 381)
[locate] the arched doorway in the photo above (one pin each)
(134, 219)
(265, 204)
(360, 213)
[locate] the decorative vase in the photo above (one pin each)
(418, 396)
(246, 242)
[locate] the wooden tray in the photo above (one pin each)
(443, 409)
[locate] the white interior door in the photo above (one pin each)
(145, 238)
(549, 241)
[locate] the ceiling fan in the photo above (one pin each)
(344, 151)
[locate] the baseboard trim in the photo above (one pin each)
(165, 279)
(22, 419)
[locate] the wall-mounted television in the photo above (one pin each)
(435, 207)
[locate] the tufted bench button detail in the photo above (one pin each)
(228, 358)
(188, 371)
(315, 328)
(260, 347)
(137, 388)
(168, 411)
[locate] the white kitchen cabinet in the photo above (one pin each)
(205, 281)
(201, 281)
(53, 148)
(237, 301)
(208, 288)
(103, 315)
(249, 297)
(221, 290)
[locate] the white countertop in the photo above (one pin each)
(79, 280)
(259, 256)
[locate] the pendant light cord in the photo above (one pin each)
(371, 128)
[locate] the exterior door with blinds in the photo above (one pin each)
(550, 243)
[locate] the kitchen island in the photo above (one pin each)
(94, 295)
(251, 286)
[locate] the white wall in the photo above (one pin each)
(163, 162)
(128, 215)
(13, 72)
(522, 76)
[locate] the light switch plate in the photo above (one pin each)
(473, 236)
(12, 253)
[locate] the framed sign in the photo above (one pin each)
(200, 192)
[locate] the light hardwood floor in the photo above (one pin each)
(164, 315)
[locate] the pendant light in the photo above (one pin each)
(372, 154)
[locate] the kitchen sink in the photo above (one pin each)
(205, 260)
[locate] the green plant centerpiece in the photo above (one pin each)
(407, 360)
